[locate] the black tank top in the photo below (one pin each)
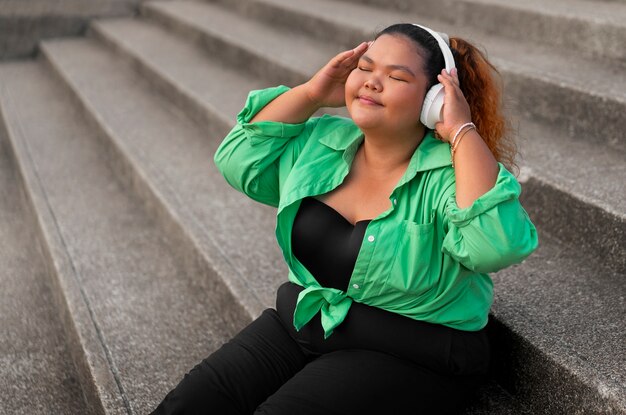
(326, 243)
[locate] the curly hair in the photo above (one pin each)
(479, 83)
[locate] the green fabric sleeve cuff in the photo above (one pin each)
(506, 188)
(262, 130)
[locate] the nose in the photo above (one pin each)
(373, 83)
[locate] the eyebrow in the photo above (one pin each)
(399, 67)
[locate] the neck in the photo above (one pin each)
(382, 156)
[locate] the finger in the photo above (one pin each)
(363, 46)
(358, 52)
(448, 83)
(349, 56)
(341, 57)
(455, 76)
(438, 129)
(447, 75)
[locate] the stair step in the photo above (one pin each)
(561, 346)
(586, 101)
(190, 86)
(176, 163)
(594, 29)
(568, 195)
(549, 155)
(212, 27)
(24, 23)
(145, 299)
(37, 374)
(31, 83)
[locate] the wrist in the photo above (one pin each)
(458, 131)
(456, 139)
(313, 100)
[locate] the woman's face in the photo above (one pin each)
(386, 90)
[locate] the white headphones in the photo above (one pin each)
(433, 101)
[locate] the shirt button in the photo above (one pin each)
(395, 201)
(355, 286)
(371, 238)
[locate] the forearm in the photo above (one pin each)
(293, 107)
(475, 169)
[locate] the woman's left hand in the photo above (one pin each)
(456, 111)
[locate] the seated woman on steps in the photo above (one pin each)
(389, 223)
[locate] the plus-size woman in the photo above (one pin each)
(389, 222)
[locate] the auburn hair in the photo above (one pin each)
(481, 85)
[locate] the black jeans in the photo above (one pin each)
(268, 369)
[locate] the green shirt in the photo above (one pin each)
(423, 258)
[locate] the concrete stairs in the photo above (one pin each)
(23, 23)
(129, 259)
(32, 343)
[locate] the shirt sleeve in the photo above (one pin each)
(255, 158)
(494, 232)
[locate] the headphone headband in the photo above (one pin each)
(433, 101)
(443, 45)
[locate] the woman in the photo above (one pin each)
(388, 228)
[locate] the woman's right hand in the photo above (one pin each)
(327, 87)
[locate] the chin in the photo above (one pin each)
(363, 121)
(364, 124)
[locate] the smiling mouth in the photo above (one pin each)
(367, 100)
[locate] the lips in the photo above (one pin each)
(367, 100)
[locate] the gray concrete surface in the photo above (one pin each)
(23, 23)
(566, 311)
(161, 146)
(574, 25)
(137, 220)
(155, 316)
(37, 374)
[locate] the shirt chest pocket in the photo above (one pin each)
(411, 269)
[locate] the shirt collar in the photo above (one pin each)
(346, 137)
(430, 154)
(343, 135)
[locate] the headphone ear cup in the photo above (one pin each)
(432, 106)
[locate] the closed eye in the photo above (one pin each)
(397, 79)
(361, 68)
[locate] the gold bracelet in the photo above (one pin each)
(457, 142)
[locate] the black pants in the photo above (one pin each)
(266, 370)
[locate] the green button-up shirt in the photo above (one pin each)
(423, 258)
